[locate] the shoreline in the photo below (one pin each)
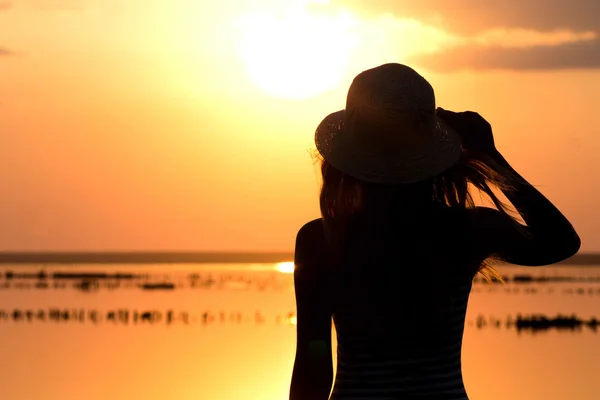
(166, 257)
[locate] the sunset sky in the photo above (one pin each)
(187, 125)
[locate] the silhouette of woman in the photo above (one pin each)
(400, 240)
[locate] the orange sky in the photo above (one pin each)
(182, 125)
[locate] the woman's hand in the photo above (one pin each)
(474, 130)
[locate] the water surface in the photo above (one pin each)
(227, 331)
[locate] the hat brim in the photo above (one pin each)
(396, 168)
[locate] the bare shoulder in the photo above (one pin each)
(492, 233)
(498, 235)
(311, 231)
(485, 217)
(310, 243)
(484, 221)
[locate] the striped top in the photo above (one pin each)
(414, 352)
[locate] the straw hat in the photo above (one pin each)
(389, 132)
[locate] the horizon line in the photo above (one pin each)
(143, 257)
(185, 257)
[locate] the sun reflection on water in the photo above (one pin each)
(285, 267)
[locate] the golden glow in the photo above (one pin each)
(168, 101)
(297, 54)
(285, 267)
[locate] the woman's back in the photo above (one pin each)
(403, 349)
(399, 295)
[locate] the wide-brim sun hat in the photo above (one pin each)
(389, 132)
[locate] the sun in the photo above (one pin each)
(297, 54)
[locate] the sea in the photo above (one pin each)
(226, 331)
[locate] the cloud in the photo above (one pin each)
(581, 55)
(5, 52)
(5, 5)
(527, 38)
(471, 16)
(476, 34)
(412, 40)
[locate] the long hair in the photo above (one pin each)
(343, 197)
